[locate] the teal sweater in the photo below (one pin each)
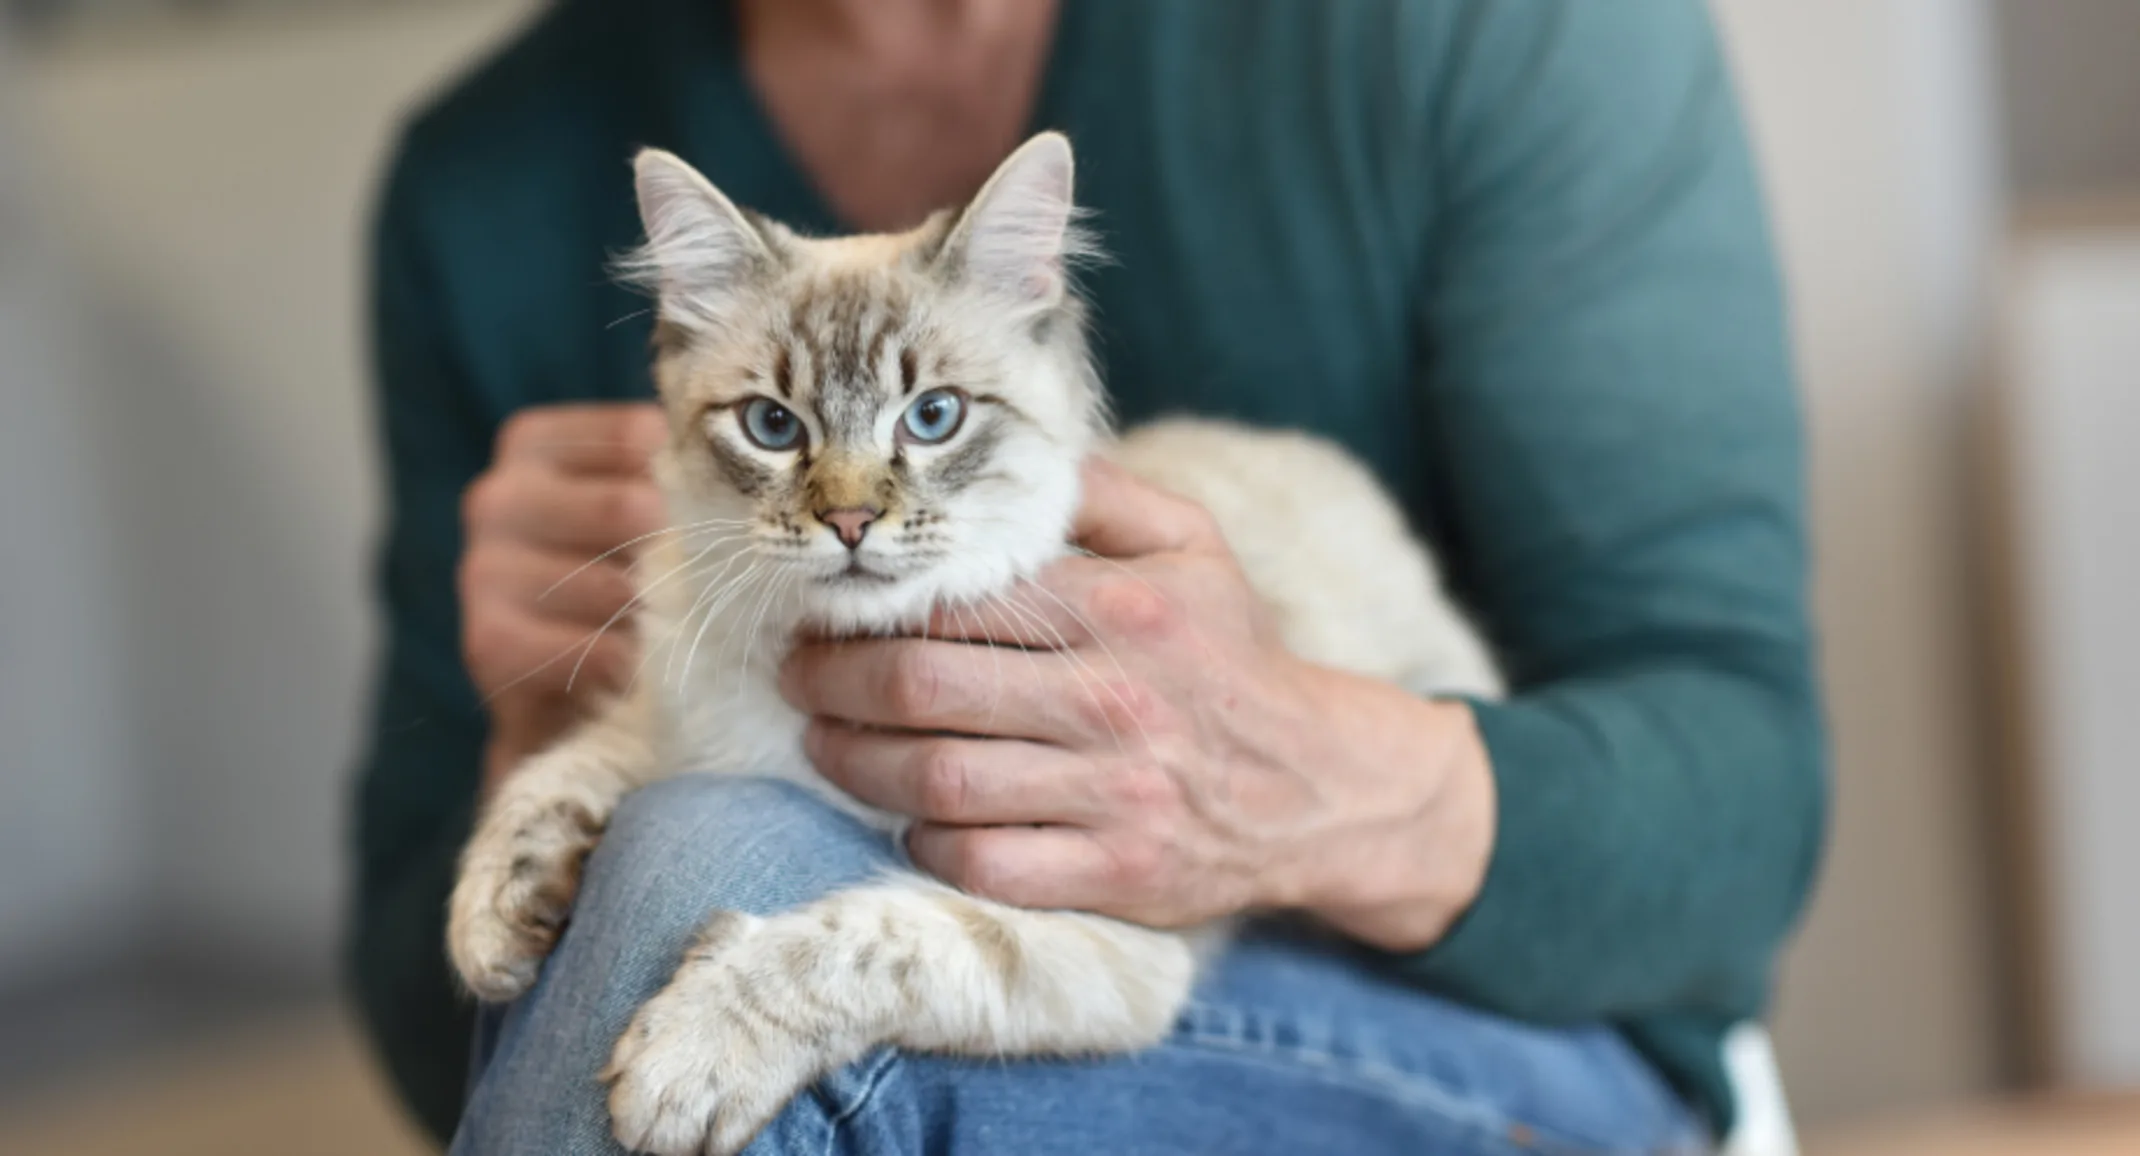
(1511, 252)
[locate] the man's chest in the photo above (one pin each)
(1262, 312)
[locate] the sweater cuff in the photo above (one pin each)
(1499, 955)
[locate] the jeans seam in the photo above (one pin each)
(1515, 1135)
(886, 1063)
(1377, 1078)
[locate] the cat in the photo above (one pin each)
(863, 428)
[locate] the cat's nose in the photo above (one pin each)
(850, 523)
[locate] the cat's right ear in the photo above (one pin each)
(701, 252)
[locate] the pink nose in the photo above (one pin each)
(850, 523)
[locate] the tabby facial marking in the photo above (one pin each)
(893, 420)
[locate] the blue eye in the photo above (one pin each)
(771, 425)
(933, 417)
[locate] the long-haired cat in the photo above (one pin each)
(862, 429)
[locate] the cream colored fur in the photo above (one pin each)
(760, 1007)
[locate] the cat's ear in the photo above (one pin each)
(1019, 237)
(701, 251)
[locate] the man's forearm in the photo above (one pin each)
(1656, 832)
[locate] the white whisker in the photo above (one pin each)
(1120, 671)
(728, 598)
(958, 614)
(586, 644)
(1004, 609)
(739, 532)
(628, 607)
(774, 589)
(1116, 563)
(713, 582)
(711, 573)
(692, 527)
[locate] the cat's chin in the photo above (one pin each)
(866, 601)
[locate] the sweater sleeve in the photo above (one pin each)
(1618, 465)
(417, 783)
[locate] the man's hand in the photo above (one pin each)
(1150, 751)
(566, 485)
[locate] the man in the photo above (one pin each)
(1510, 252)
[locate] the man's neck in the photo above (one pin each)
(897, 107)
(892, 28)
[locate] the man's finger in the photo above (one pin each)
(1048, 613)
(955, 780)
(951, 687)
(1041, 867)
(552, 584)
(577, 515)
(511, 653)
(591, 439)
(1122, 516)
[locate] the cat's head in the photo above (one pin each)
(876, 422)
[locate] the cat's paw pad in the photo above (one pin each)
(713, 1058)
(504, 920)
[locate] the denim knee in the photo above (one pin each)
(716, 842)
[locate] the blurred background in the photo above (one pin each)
(189, 503)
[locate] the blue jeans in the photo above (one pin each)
(1290, 1046)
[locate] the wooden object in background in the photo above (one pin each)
(2067, 448)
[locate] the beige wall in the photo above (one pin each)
(217, 183)
(69, 815)
(214, 185)
(1876, 127)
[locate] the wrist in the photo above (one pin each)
(1412, 912)
(501, 755)
(517, 732)
(1410, 853)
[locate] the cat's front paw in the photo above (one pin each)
(713, 1058)
(504, 918)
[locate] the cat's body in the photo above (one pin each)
(1307, 523)
(808, 495)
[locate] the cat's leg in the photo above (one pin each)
(761, 1007)
(521, 868)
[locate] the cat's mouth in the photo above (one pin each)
(855, 572)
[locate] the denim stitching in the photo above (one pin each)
(1378, 1078)
(876, 1078)
(1365, 1072)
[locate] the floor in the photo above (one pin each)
(305, 1081)
(86, 1014)
(2104, 1127)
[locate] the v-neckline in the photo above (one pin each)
(720, 116)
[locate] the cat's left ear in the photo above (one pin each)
(1018, 238)
(701, 252)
